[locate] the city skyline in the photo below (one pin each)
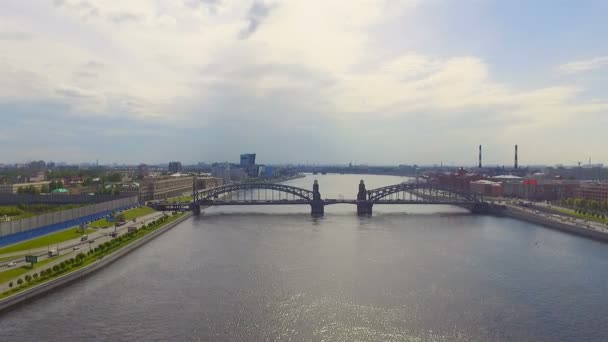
(380, 83)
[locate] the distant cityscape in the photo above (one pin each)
(163, 181)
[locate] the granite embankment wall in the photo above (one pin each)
(555, 224)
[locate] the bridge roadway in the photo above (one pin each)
(419, 193)
(327, 201)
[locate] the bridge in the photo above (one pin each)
(281, 194)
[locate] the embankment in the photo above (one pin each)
(555, 224)
(45, 287)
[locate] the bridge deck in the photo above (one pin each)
(334, 201)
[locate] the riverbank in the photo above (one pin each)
(554, 223)
(30, 293)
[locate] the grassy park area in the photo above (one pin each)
(129, 215)
(46, 240)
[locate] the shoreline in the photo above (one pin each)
(9, 303)
(522, 215)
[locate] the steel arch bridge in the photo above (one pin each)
(214, 193)
(421, 192)
(264, 194)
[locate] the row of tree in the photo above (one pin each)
(51, 271)
(589, 206)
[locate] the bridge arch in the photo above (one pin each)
(211, 194)
(431, 192)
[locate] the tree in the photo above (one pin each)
(30, 189)
(10, 284)
(115, 177)
(120, 217)
(19, 281)
(28, 278)
(44, 189)
(35, 275)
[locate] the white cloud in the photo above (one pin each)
(584, 65)
(186, 63)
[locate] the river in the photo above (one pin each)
(409, 273)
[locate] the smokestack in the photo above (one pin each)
(515, 165)
(480, 156)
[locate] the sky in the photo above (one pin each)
(379, 82)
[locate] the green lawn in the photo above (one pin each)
(16, 272)
(46, 240)
(575, 214)
(180, 199)
(129, 215)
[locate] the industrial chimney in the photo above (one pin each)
(515, 165)
(480, 156)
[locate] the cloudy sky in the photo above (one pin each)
(378, 82)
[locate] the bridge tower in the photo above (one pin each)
(364, 207)
(317, 205)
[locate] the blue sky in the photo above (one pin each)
(378, 82)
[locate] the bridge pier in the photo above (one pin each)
(317, 208)
(196, 209)
(364, 208)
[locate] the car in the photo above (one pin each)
(75, 248)
(91, 241)
(11, 264)
(114, 234)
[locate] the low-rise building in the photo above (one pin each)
(208, 182)
(540, 189)
(14, 188)
(157, 188)
(486, 188)
(597, 191)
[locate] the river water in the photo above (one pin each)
(273, 273)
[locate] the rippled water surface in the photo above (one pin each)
(427, 273)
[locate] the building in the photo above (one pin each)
(486, 188)
(248, 164)
(205, 182)
(238, 175)
(14, 188)
(265, 171)
(540, 189)
(221, 171)
(85, 189)
(158, 188)
(459, 180)
(175, 167)
(247, 160)
(596, 191)
(142, 171)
